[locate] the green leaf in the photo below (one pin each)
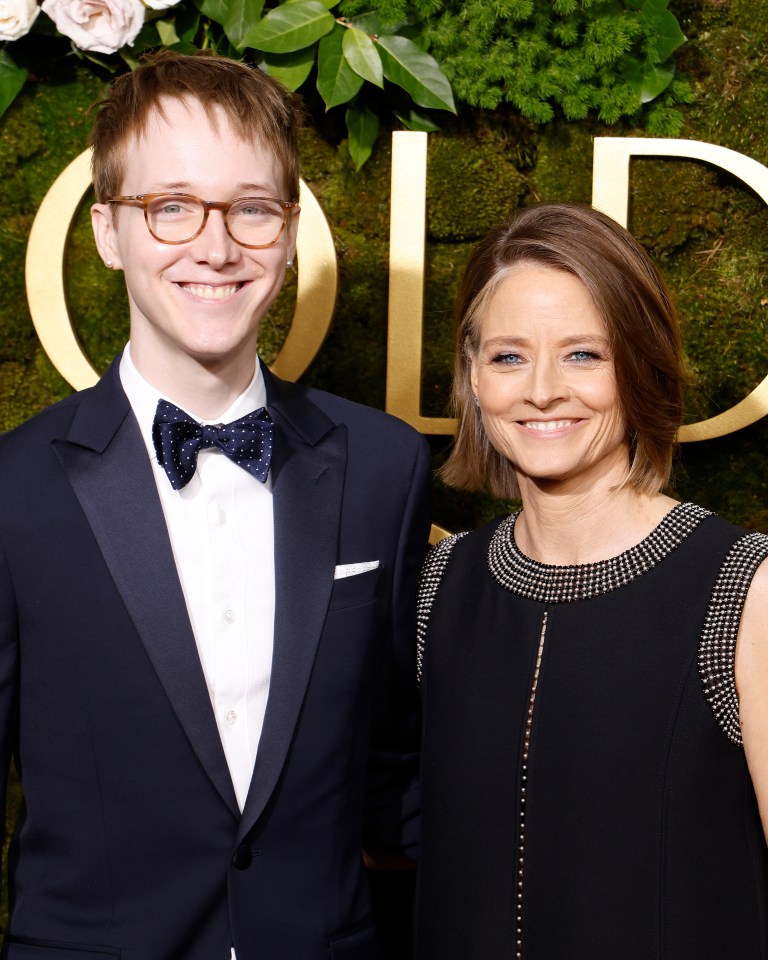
(647, 80)
(146, 37)
(337, 82)
(291, 69)
(128, 59)
(215, 40)
(363, 128)
(373, 23)
(241, 16)
(670, 36)
(185, 47)
(416, 120)
(361, 54)
(416, 72)
(213, 9)
(290, 27)
(166, 30)
(11, 81)
(650, 6)
(187, 23)
(328, 4)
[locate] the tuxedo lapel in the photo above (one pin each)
(307, 471)
(106, 462)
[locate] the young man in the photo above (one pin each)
(206, 578)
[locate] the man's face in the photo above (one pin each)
(198, 302)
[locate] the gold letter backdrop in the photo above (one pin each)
(316, 295)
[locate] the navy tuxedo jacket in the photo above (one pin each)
(130, 843)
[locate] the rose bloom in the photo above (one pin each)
(161, 4)
(100, 25)
(16, 17)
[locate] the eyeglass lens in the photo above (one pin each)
(253, 221)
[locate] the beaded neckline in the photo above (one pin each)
(552, 583)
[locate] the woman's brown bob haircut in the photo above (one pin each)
(257, 106)
(639, 315)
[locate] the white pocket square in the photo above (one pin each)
(352, 569)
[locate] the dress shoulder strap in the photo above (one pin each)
(429, 583)
(717, 647)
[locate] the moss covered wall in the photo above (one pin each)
(707, 231)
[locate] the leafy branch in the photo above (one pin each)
(295, 41)
(409, 58)
(570, 58)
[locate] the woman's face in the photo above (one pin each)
(545, 381)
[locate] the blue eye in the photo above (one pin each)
(507, 359)
(584, 356)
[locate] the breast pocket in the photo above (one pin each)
(355, 590)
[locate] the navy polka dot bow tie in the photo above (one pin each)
(178, 439)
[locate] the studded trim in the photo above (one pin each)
(523, 788)
(431, 575)
(553, 583)
(717, 650)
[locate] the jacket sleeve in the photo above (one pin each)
(8, 684)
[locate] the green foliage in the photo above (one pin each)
(608, 58)
(365, 64)
(569, 59)
(416, 72)
(337, 82)
(363, 128)
(12, 808)
(11, 80)
(361, 55)
(291, 26)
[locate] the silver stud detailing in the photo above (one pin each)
(717, 651)
(523, 785)
(431, 575)
(552, 583)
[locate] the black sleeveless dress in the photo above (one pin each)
(585, 791)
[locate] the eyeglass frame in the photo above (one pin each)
(223, 205)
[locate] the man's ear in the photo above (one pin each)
(104, 231)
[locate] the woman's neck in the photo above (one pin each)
(585, 526)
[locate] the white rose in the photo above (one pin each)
(161, 4)
(16, 17)
(101, 25)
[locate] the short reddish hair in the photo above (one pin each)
(255, 103)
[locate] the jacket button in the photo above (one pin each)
(242, 858)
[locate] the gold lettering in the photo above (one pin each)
(610, 193)
(408, 204)
(317, 278)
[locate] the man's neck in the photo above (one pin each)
(203, 390)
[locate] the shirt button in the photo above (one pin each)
(229, 616)
(231, 718)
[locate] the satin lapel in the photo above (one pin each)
(113, 482)
(308, 481)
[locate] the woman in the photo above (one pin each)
(590, 664)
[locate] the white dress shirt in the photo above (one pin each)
(222, 533)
